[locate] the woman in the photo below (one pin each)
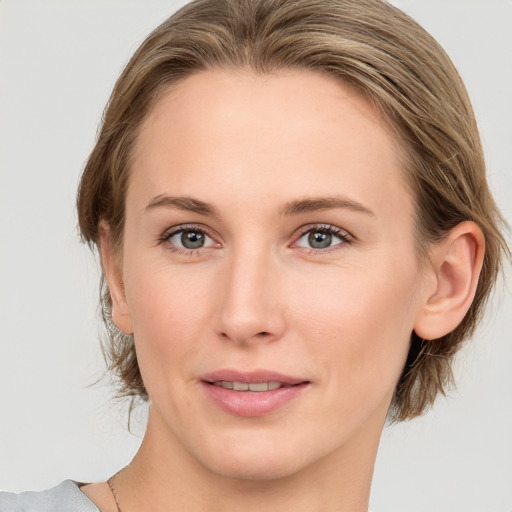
(296, 235)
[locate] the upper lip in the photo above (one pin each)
(251, 377)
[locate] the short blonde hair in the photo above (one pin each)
(367, 44)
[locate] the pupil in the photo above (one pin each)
(319, 240)
(192, 239)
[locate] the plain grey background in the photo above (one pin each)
(58, 63)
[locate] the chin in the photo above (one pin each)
(254, 462)
(255, 470)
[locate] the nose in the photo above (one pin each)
(250, 304)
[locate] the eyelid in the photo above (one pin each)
(321, 227)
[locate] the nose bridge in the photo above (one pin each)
(249, 303)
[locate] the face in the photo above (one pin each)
(269, 248)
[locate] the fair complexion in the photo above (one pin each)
(269, 229)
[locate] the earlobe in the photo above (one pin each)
(456, 266)
(114, 276)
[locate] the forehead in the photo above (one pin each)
(293, 133)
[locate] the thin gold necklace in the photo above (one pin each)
(110, 483)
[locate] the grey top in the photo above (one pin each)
(65, 497)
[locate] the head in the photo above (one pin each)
(374, 52)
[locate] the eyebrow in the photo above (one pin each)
(182, 203)
(297, 207)
(314, 204)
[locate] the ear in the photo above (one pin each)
(112, 269)
(456, 265)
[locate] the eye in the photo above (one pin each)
(323, 237)
(188, 239)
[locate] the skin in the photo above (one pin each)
(258, 296)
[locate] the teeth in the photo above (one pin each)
(245, 386)
(240, 386)
(258, 386)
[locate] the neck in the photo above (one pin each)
(164, 472)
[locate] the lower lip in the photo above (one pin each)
(250, 404)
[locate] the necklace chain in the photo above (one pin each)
(110, 483)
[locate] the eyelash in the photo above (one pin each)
(346, 238)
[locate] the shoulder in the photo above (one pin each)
(65, 497)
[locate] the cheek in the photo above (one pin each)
(360, 320)
(170, 310)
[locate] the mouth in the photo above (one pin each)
(254, 380)
(251, 394)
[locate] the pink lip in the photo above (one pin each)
(252, 403)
